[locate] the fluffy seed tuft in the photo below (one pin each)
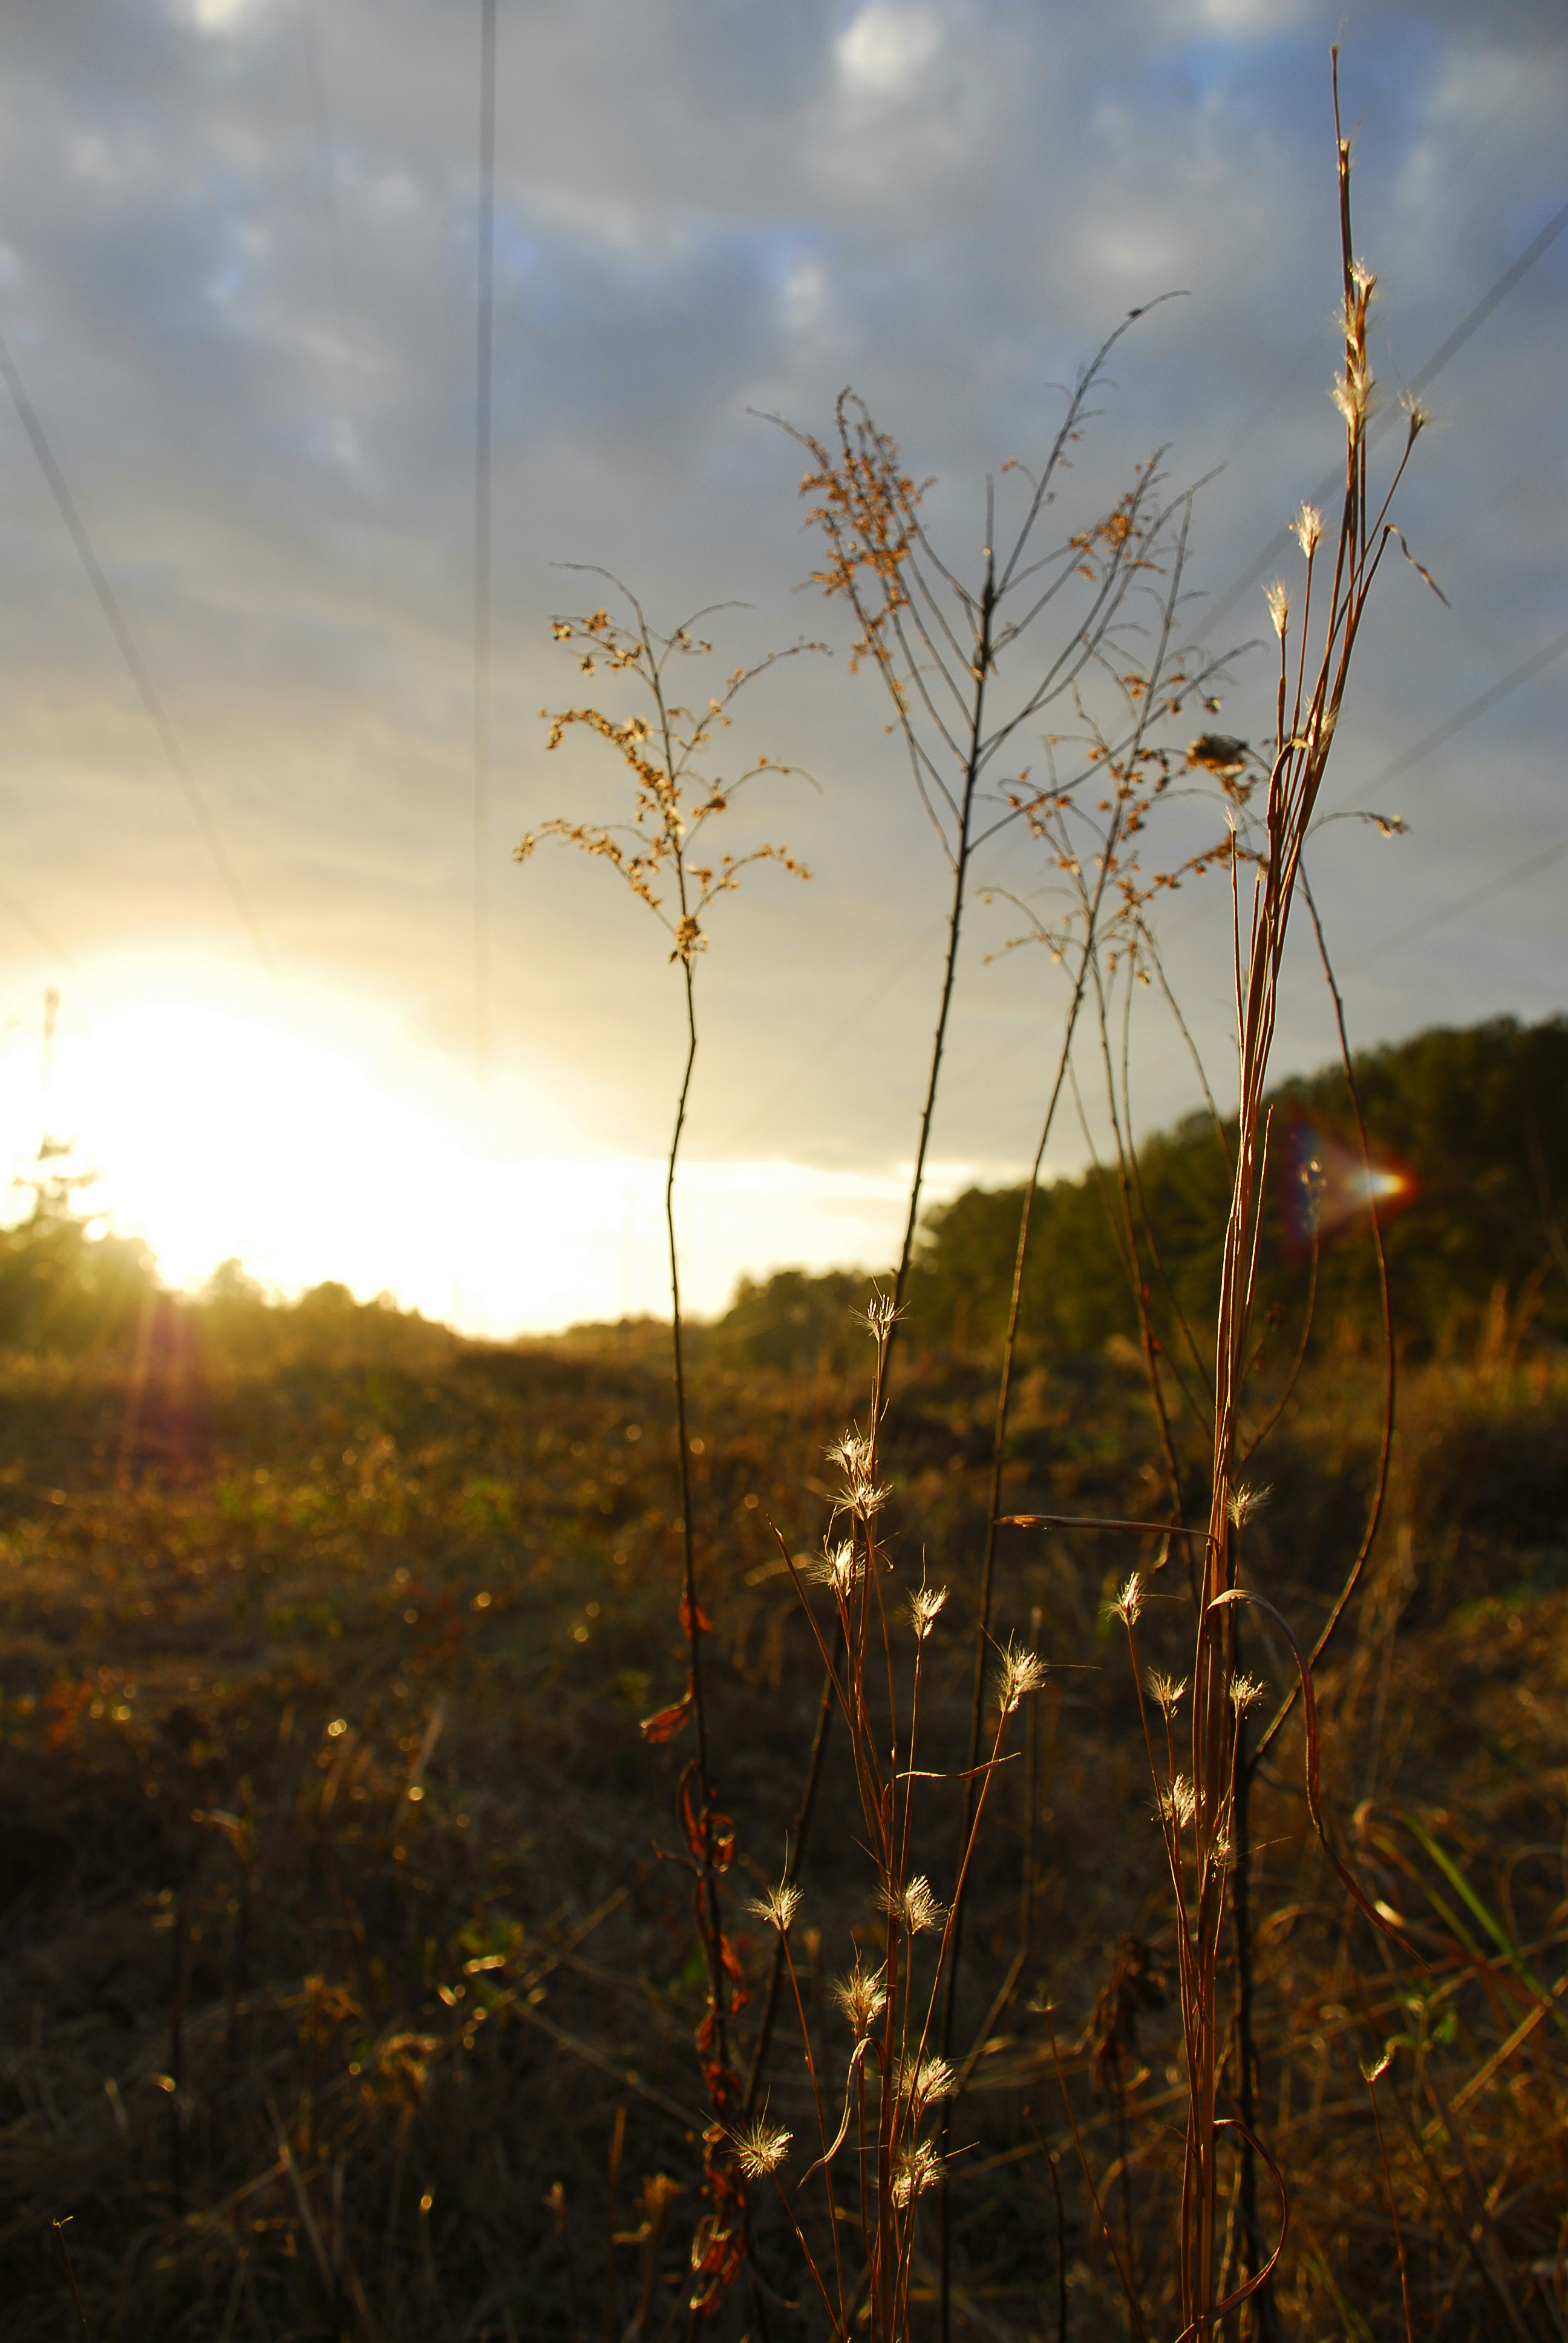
(1021, 1671)
(760, 2148)
(923, 1606)
(1164, 1690)
(777, 1905)
(863, 1997)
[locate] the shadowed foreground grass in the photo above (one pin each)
(346, 1992)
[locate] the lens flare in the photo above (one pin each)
(1332, 1187)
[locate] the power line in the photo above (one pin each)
(35, 929)
(1520, 870)
(484, 356)
(1467, 326)
(119, 627)
(1471, 710)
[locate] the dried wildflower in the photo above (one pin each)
(837, 1566)
(917, 2168)
(1243, 1502)
(1179, 1803)
(777, 1905)
(926, 2080)
(1308, 527)
(862, 1998)
(922, 1607)
(1417, 416)
(1377, 2067)
(1353, 395)
(1164, 1690)
(1021, 1671)
(1222, 1852)
(914, 1905)
(1218, 752)
(760, 2148)
(1129, 1603)
(1246, 1691)
(1277, 597)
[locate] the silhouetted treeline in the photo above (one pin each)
(1478, 1116)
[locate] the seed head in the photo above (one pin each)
(1417, 416)
(1021, 1671)
(923, 1605)
(1245, 1692)
(1179, 1803)
(877, 1316)
(1129, 1603)
(913, 1905)
(860, 1495)
(1308, 526)
(1165, 1690)
(1378, 2067)
(1279, 601)
(917, 2168)
(760, 2148)
(862, 1998)
(926, 2080)
(1243, 1502)
(837, 1566)
(777, 1905)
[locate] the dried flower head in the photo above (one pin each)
(923, 1605)
(1222, 1852)
(1308, 527)
(1278, 598)
(1246, 1691)
(1377, 2067)
(863, 1997)
(1218, 752)
(1021, 1671)
(1416, 415)
(915, 2169)
(837, 1566)
(925, 2080)
(1243, 1501)
(1179, 1803)
(1165, 1690)
(1129, 1603)
(777, 1905)
(914, 1905)
(760, 2148)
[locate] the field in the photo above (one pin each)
(347, 1991)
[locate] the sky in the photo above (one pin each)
(238, 287)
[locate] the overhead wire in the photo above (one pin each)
(1445, 911)
(108, 602)
(1468, 324)
(35, 927)
(483, 418)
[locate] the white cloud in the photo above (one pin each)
(885, 48)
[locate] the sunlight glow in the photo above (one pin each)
(309, 1142)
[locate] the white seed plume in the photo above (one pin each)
(760, 2148)
(914, 1905)
(923, 1606)
(1021, 1671)
(923, 2081)
(1245, 1692)
(1277, 597)
(1308, 527)
(1179, 1803)
(917, 2168)
(1130, 1601)
(1164, 1690)
(777, 1905)
(862, 1998)
(837, 1566)
(1243, 1502)
(860, 1494)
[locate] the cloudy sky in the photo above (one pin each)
(237, 285)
